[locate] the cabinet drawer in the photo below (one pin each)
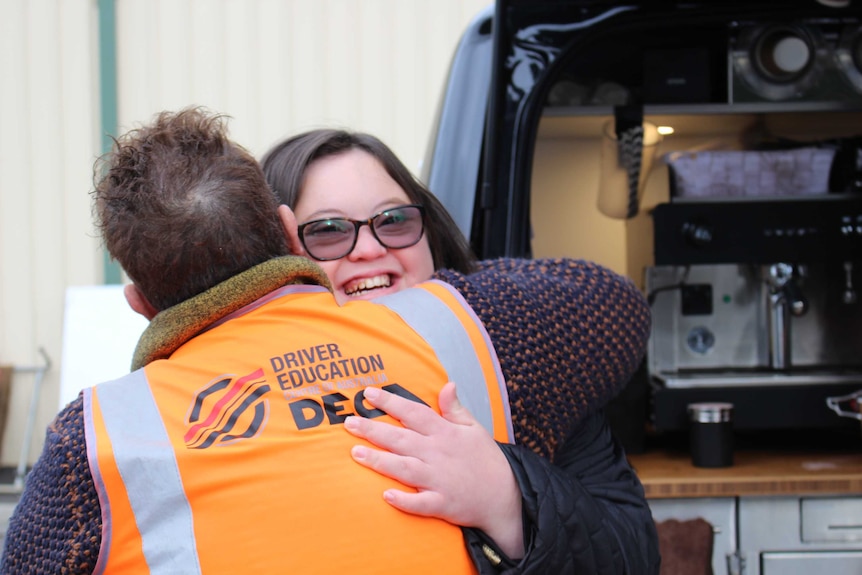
(806, 563)
(831, 519)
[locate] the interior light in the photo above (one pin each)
(665, 130)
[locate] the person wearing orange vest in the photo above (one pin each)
(241, 431)
(192, 455)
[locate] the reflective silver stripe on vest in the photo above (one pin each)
(152, 477)
(440, 327)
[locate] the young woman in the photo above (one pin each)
(376, 230)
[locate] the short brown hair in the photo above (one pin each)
(285, 164)
(182, 208)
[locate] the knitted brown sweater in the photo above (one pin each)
(587, 333)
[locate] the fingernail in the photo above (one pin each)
(372, 392)
(359, 453)
(351, 423)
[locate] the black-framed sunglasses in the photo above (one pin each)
(333, 238)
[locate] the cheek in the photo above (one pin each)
(418, 263)
(331, 268)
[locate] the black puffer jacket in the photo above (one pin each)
(586, 514)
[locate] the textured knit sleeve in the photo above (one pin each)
(56, 526)
(569, 335)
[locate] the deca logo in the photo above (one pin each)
(227, 410)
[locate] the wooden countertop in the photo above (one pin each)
(667, 473)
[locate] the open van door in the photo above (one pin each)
(524, 61)
(591, 128)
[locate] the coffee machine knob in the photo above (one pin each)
(697, 234)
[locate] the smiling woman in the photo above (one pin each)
(331, 177)
(354, 185)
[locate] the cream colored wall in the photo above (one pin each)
(565, 220)
(282, 66)
(275, 66)
(48, 139)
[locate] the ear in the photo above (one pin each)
(138, 302)
(291, 230)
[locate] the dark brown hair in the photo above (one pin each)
(284, 167)
(182, 208)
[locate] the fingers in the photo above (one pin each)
(412, 415)
(406, 470)
(451, 408)
(425, 503)
(384, 435)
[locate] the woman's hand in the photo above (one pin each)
(459, 473)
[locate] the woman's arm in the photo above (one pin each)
(586, 514)
(56, 526)
(569, 335)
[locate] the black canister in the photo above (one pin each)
(711, 434)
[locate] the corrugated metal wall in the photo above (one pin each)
(280, 66)
(48, 140)
(276, 66)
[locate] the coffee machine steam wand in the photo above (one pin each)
(785, 300)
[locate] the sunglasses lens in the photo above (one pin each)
(399, 227)
(328, 239)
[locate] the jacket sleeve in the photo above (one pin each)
(56, 525)
(569, 335)
(586, 514)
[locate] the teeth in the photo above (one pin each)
(367, 284)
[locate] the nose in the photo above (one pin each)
(367, 247)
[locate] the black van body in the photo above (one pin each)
(714, 63)
(669, 54)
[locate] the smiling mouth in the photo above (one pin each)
(367, 284)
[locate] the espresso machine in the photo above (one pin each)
(756, 302)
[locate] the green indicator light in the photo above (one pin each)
(726, 298)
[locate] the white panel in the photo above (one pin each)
(831, 562)
(100, 332)
(828, 519)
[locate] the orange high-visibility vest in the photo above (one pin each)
(230, 456)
